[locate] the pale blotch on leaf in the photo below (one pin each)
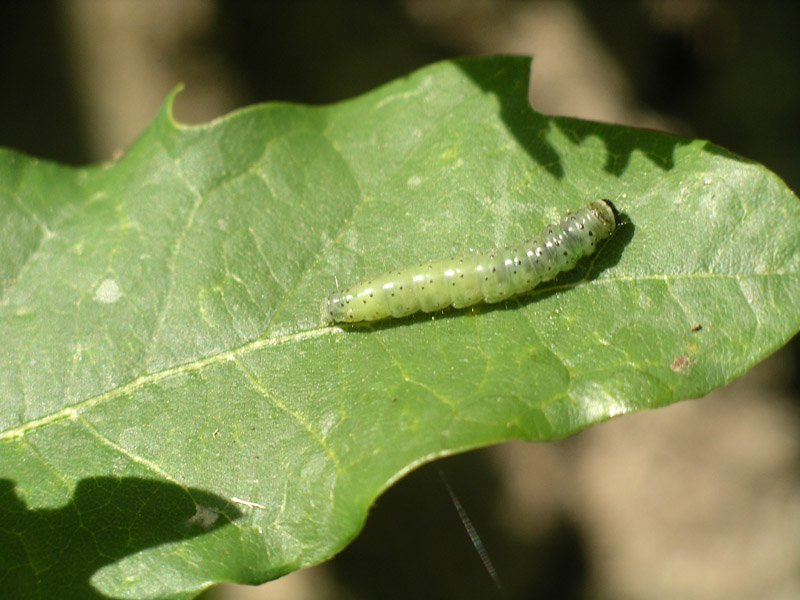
(108, 291)
(204, 517)
(680, 364)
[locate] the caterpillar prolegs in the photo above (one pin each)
(476, 277)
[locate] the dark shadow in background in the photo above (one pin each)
(415, 546)
(53, 553)
(728, 72)
(38, 107)
(314, 51)
(317, 51)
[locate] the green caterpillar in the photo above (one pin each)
(476, 277)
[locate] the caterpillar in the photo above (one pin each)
(489, 277)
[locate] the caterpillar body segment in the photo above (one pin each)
(466, 280)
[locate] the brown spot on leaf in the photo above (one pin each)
(681, 363)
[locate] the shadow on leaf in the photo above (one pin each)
(530, 128)
(621, 142)
(49, 553)
(510, 87)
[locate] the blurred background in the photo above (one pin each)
(700, 500)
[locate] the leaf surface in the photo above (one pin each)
(173, 412)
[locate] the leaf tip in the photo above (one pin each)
(167, 109)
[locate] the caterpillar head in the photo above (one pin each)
(606, 212)
(334, 309)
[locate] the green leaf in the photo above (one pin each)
(175, 414)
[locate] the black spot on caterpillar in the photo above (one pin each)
(478, 277)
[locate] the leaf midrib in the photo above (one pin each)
(73, 410)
